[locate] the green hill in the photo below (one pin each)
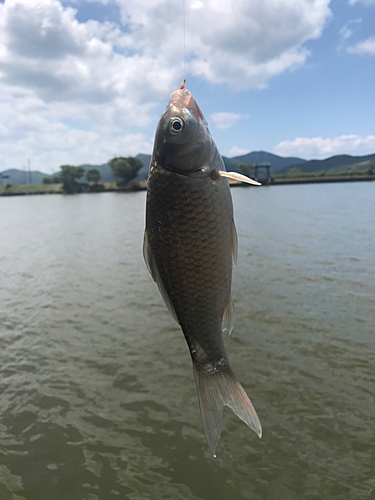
(258, 157)
(279, 165)
(15, 176)
(255, 158)
(335, 164)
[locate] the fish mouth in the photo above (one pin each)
(183, 98)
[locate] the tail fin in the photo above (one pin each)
(219, 389)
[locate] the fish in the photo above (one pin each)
(190, 247)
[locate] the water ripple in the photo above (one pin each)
(97, 393)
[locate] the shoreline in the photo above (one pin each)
(323, 179)
(142, 185)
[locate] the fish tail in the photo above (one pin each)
(219, 389)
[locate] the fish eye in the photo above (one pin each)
(176, 125)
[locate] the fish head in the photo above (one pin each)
(183, 142)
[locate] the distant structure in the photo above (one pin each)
(29, 171)
(262, 173)
(3, 176)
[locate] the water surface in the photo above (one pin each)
(98, 399)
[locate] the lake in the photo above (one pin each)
(98, 399)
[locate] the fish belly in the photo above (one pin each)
(188, 222)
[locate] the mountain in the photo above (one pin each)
(258, 157)
(278, 164)
(15, 176)
(335, 164)
(255, 158)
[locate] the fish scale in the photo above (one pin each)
(190, 241)
(201, 265)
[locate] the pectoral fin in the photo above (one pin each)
(234, 242)
(153, 269)
(238, 177)
(227, 322)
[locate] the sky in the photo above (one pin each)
(83, 81)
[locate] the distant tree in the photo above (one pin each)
(55, 179)
(294, 172)
(125, 169)
(93, 175)
(68, 176)
(51, 180)
(245, 168)
(370, 171)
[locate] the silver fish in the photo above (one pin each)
(190, 245)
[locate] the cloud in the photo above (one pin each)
(242, 43)
(70, 92)
(32, 131)
(93, 85)
(365, 47)
(46, 50)
(318, 147)
(365, 2)
(347, 31)
(225, 120)
(236, 151)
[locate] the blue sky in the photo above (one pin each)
(82, 81)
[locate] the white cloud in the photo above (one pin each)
(347, 30)
(225, 120)
(69, 91)
(29, 125)
(90, 86)
(318, 147)
(365, 47)
(46, 50)
(241, 43)
(365, 2)
(236, 151)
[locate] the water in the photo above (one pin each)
(98, 399)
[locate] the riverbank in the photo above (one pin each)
(279, 180)
(321, 179)
(34, 189)
(24, 189)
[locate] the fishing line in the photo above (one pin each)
(184, 34)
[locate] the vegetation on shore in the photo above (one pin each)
(125, 170)
(19, 189)
(69, 180)
(24, 189)
(295, 173)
